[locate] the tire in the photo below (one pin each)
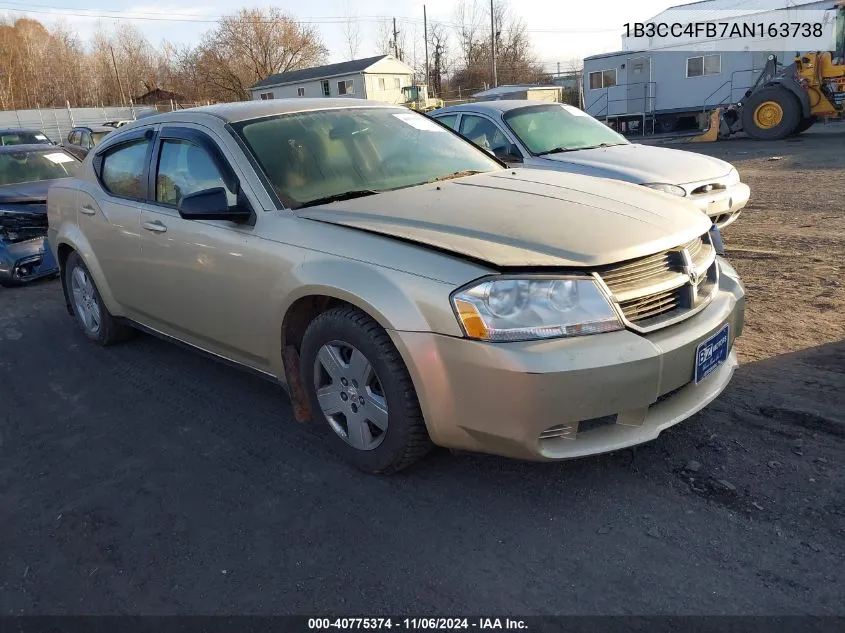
(667, 124)
(770, 114)
(91, 314)
(804, 125)
(396, 436)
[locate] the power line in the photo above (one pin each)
(213, 19)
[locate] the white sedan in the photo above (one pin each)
(561, 137)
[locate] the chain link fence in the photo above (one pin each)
(56, 123)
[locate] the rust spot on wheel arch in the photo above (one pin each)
(298, 398)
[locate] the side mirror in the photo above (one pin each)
(212, 204)
(509, 153)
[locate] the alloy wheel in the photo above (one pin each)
(85, 300)
(350, 395)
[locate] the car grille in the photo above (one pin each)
(660, 289)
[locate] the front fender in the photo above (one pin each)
(798, 90)
(396, 300)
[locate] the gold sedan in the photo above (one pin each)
(405, 287)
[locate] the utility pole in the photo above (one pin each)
(558, 69)
(493, 43)
(425, 35)
(117, 74)
(395, 40)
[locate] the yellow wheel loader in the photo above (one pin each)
(788, 101)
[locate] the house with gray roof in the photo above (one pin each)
(380, 78)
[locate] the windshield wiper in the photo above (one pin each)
(338, 197)
(601, 145)
(456, 174)
(558, 150)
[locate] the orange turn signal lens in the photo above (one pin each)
(470, 319)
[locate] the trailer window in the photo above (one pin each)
(704, 65)
(603, 79)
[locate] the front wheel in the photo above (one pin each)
(358, 384)
(771, 114)
(804, 125)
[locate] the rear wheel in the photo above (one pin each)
(770, 114)
(357, 382)
(91, 313)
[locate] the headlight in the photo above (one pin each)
(733, 178)
(675, 190)
(524, 309)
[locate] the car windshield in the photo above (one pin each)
(315, 157)
(23, 137)
(546, 129)
(20, 167)
(97, 137)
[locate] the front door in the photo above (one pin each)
(204, 280)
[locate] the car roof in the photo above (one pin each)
(492, 107)
(30, 147)
(94, 128)
(245, 110)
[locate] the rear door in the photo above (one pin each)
(109, 213)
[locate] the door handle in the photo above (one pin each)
(87, 209)
(155, 226)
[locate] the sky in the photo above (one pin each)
(561, 30)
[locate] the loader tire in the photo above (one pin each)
(804, 125)
(770, 114)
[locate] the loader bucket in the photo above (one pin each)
(712, 132)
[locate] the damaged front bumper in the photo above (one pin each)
(24, 253)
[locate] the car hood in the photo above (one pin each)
(526, 217)
(26, 192)
(644, 164)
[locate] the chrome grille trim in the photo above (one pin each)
(662, 289)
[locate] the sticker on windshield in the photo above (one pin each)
(40, 137)
(418, 121)
(59, 158)
(573, 110)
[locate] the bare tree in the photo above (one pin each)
(351, 32)
(438, 44)
(515, 59)
(252, 45)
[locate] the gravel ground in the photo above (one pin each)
(146, 479)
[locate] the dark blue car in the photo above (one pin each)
(26, 173)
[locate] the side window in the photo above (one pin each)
(185, 168)
(449, 120)
(85, 139)
(73, 137)
(122, 172)
(482, 132)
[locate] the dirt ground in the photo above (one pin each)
(146, 479)
(789, 245)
